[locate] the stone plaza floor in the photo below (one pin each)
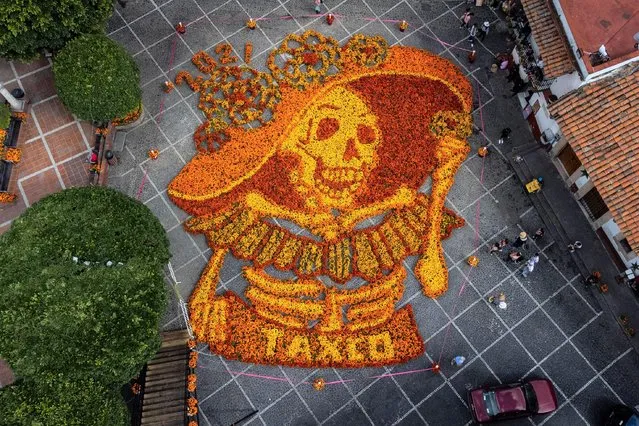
(553, 327)
(54, 144)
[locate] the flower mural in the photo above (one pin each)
(351, 136)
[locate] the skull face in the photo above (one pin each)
(337, 141)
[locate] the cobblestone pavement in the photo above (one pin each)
(552, 327)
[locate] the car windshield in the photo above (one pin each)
(531, 398)
(490, 402)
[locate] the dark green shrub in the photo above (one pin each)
(96, 78)
(63, 321)
(83, 403)
(5, 115)
(29, 26)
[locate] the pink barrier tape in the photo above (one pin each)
(383, 20)
(337, 382)
(171, 58)
(476, 235)
(481, 117)
(278, 379)
(442, 42)
(401, 373)
(141, 187)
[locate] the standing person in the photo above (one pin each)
(483, 31)
(499, 301)
(318, 6)
(457, 361)
(504, 135)
(498, 246)
(530, 265)
(538, 234)
(521, 239)
(515, 256)
(466, 17)
(519, 86)
(472, 32)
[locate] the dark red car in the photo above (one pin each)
(521, 399)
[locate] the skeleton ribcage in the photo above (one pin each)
(305, 303)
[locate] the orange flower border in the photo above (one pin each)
(129, 118)
(191, 386)
(7, 197)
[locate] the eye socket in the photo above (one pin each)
(326, 128)
(366, 134)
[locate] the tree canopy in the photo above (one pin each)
(29, 26)
(82, 296)
(97, 79)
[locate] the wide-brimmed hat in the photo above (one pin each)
(210, 176)
(523, 236)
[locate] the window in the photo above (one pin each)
(490, 400)
(594, 204)
(625, 245)
(531, 398)
(569, 160)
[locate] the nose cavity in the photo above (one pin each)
(351, 151)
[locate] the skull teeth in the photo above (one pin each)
(334, 193)
(342, 175)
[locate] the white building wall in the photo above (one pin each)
(581, 181)
(612, 230)
(566, 83)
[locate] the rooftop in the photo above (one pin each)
(612, 23)
(601, 123)
(551, 41)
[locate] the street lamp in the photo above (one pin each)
(16, 104)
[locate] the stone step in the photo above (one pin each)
(118, 141)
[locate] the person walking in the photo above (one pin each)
(483, 31)
(457, 361)
(538, 234)
(472, 32)
(318, 6)
(499, 301)
(521, 241)
(530, 265)
(465, 18)
(504, 135)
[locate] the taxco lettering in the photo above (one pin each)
(378, 347)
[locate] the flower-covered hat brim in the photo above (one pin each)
(211, 176)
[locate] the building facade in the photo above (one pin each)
(581, 66)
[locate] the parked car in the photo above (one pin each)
(622, 415)
(504, 402)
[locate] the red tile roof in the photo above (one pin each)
(549, 37)
(601, 123)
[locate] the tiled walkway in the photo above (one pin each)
(552, 328)
(54, 144)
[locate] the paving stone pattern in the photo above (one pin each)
(552, 328)
(54, 144)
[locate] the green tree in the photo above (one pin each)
(82, 296)
(97, 79)
(85, 403)
(29, 26)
